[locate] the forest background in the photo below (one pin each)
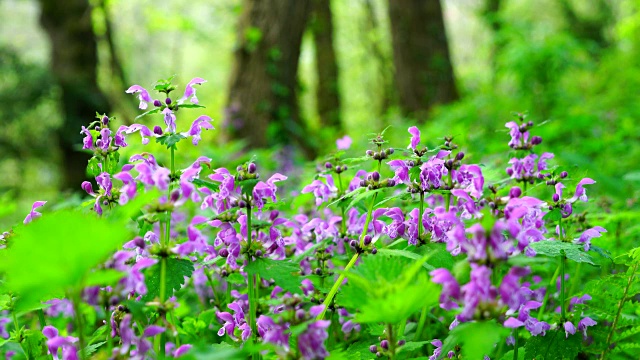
(307, 72)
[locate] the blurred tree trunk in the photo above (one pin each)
(328, 92)
(262, 105)
(590, 27)
(73, 62)
(491, 16)
(423, 70)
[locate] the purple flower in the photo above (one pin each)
(55, 342)
(311, 342)
(202, 122)
(271, 332)
(450, 288)
(143, 96)
(153, 330)
(33, 214)
(581, 193)
(415, 137)
(469, 178)
(267, 189)
(87, 142)
(190, 91)
(401, 171)
(584, 324)
(169, 120)
(145, 133)
(176, 353)
(231, 322)
(569, 328)
(323, 192)
(4, 334)
(344, 143)
(542, 162)
(129, 187)
(589, 234)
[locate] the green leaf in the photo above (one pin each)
(114, 159)
(5, 302)
(475, 338)
(103, 277)
(248, 185)
(34, 344)
(363, 196)
(412, 345)
(170, 140)
(208, 184)
(439, 257)
(88, 350)
(283, 272)
(148, 112)
(553, 215)
(177, 270)
(405, 253)
(191, 106)
(93, 169)
(54, 253)
(573, 252)
(236, 278)
(553, 346)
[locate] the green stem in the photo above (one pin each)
(79, 325)
(546, 293)
(392, 342)
(562, 270)
(515, 349)
(253, 303)
(334, 289)
(368, 219)
(420, 217)
(620, 304)
(41, 319)
(421, 322)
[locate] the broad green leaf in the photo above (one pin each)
(34, 344)
(54, 253)
(439, 257)
(177, 270)
(573, 252)
(553, 215)
(103, 277)
(208, 184)
(412, 345)
(553, 346)
(475, 339)
(236, 278)
(248, 185)
(191, 106)
(284, 273)
(170, 140)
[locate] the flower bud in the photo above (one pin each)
(373, 349)
(300, 314)
(374, 251)
(564, 174)
(375, 176)
(175, 195)
(224, 273)
(167, 101)
(401, 342)
(328, 165)
(344, 167)
(338, 169)
(363, 183)
(515, 192)
(318, 271)
(242, 204)
(376, 156)
(157, 130)
(384, 344)
(536, 140)
(556, 197)
(274, 214)
(389, 151)
(157, 103)
(252, 168)
(411, 163)
(353, 243)
(510, 171)
(223, 252)
(139, 242)
(369, 152)
(530, 123)
(460, 156)
(259, 253)
(105, 120)
(391, 183)
(367, 239)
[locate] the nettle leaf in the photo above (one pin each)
(208, 184)
(170, 140)
(387, 289)
(283, 272)
(573, 252)
(553, 346)
(148, 112)
(114, 159)
(248, 185)
(412, 345)
(475, 339)
(236, 278)
(439, 257)
(553, 215)
(191, 106)
(90, 349)
(93, 169)
(34, 344)
(414, 174)
(54, 253)
(177, 270)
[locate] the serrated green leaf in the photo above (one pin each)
(412, 345)
(34, 344)
(553, 215)
(635, 347)
(170, 140)
(88, 350)
(475, 338)
(93, 168)
(177, 270)
(283, 272)
(553, 346)
(54, 253)
(248, 185)
(573, 252)
(627, 333)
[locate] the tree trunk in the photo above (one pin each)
(262, 104)
(73, 62)
(328, 93)
(423, 70)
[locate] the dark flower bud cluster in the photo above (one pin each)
(384, 347)
(373, 182)
(520, 137)
(380, 155)
(365, 247)
(247, 172)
